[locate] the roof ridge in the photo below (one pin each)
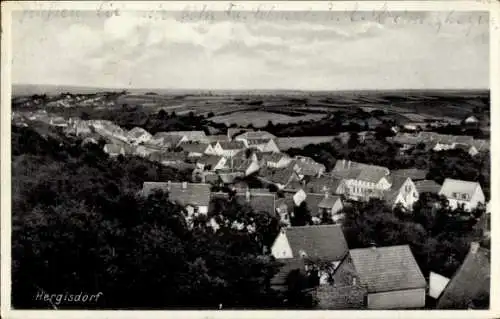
(315, 226)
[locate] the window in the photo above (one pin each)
(454, 195)
(465, 196)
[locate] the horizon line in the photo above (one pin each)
(246, 90)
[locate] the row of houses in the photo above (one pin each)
(362, 278)
(374, 277)
(440, 142)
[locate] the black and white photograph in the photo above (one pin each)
(250, 157)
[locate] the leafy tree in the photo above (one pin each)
(301, 215)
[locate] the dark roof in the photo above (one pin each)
(312, 201)
(329, 201)
(281, 176)
(260, 202)
(367, 174)
(316, 185)
(309, 168)
(258, 141)
(273, 157)
(319, 241)
(233, 145)
(471, 280)
(387, 268)
(427, 186)
(211, 160)
(194, 147)
(197, 194)
(413, 173)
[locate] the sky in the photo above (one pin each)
(293, 51)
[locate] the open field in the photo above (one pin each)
(260, 119)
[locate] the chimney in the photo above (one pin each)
(354, 281)
(474, 246)
(184, 185)
(373, 246)
(327, 194)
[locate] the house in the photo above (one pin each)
(391, 276)
(145, 150)
(276, 160)
(306, 166)
(78, 127)
(362, 181)
(254, 135)
(263, 145)
(323, 184)
(189, 136)
(427, 186)
(108, 128)
(167, 158)
(281, 178)
(166, 140)
(246, 166)
(331, 205)
(211, 162)
(471, 120)
(138, 135)
(228, 149)
(114, 150)
(469, 287)
(58, 121)
(259, 202)
(325, 242)
(194, 197)
(231, 132)
(403, 192)
(413, 173)
(458, 192)
(196, 149)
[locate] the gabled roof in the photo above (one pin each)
(329, 201)
(216, 138)
(191, 135)
(397, 182)
(451, 186)
(463, 147)
(343, 164)
(413, 173)
(166, 139)
(260, 202)
(312, 202)
(255, 135)
(232, 131)
(166, 156)
(281, 176)
(317, 185)
(137, 132)
(366, 174)
(390, 268)
(427, 186)
(209, 160)
(319, 241)
(309, 168)
(194, 147)
(233, 145)
(197, 194)
(273, 157)
(258, 141)
(470, 281)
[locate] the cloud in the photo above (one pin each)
(130, 50)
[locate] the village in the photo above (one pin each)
(253, 167)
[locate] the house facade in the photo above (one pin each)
(462, 193)
(403, 192)
(391, 276)
(138, 135)
(276, 160)
(228, 149)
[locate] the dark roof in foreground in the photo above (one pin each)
(390, 268)
(260, 202)
(470, 281)
(183, 193)
(319, 241)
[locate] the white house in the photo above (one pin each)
(114, 150)
(471, 120)
(319, 241)
(196, 149)
(362, 181)
(403, 192)
(458, 192)
(331, 205)
(228, 149)
(138, 135)
(276, 160)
